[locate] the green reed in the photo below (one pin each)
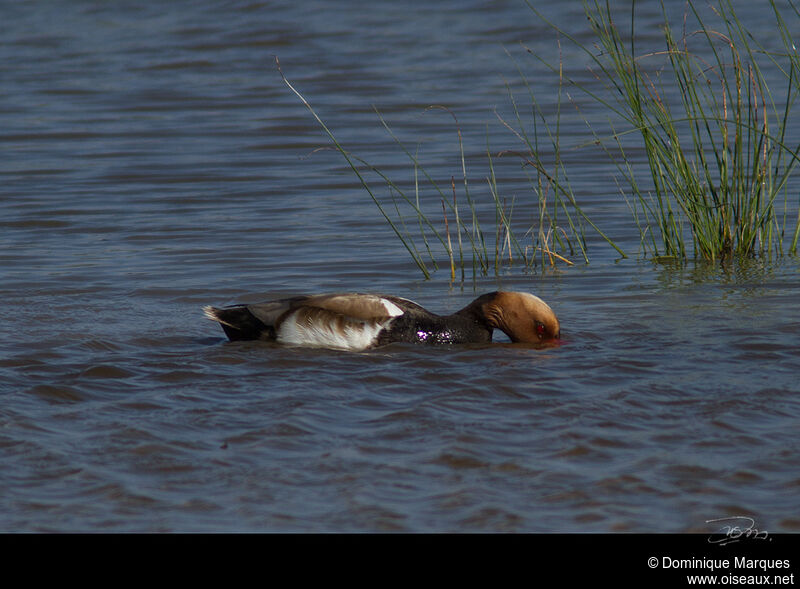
(542, 152)
(716, 140)
(555, 232)
(714, 135)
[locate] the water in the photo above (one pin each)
(154, 162)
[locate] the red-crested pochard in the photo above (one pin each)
(359, 321)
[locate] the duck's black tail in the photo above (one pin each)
(239, 323)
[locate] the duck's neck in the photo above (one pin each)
(475, 311)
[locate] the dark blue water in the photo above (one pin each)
(153, 161)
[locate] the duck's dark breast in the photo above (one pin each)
(417, 329)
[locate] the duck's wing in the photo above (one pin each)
(357, 306)
(354, 306)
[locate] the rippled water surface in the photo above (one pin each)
(154, 162)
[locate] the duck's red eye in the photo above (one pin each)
(540, 329)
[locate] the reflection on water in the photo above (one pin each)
(154, 163)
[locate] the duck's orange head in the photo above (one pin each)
(523, 317)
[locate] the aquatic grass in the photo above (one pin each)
(550, 176)
(716, 139)
(713, 133)
(792, 75)
(460, 234)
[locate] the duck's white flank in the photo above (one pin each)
(349, 334)
(354, 335)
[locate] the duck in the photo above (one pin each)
(360, 321)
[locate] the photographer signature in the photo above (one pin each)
(736, 528)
